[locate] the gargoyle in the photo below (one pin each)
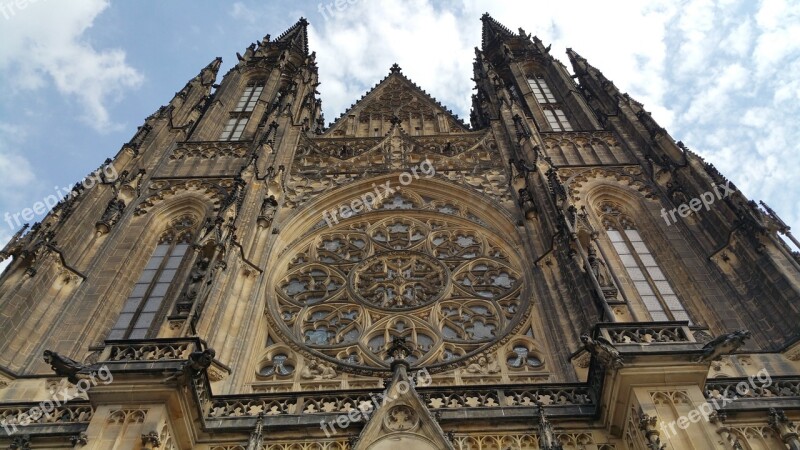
(63, 366)
(723, 345)
(194, 366)
(603, 350)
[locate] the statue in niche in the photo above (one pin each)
(601, 273)
(599, 267)
(267, 213)
(111, 215)
(316, 370)
(199, 272)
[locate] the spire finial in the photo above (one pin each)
(395, 69)
(399, 349)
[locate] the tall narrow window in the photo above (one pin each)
(540, 90)
(649, 281)
(234, 127)
(557, 120)
(553, 111)
(146, 301)
(249, 97)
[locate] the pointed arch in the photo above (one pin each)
(620, 216)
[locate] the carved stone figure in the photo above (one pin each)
(64, 366)
(113, 211)
(267, 213)
(199, 272)
(194, 366)
(724, 345)
(603, 350)
(316, 370)
(484, 365)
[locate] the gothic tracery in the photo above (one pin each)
(448, 285)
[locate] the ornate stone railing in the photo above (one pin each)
(17, 417)
(211, 149)
(452, 398)
(149, 350)
(647, 333)
(753, 388)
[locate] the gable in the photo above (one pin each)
(396, 99)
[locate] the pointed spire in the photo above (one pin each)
(296, 35)
(547, 436)
(493, 30)
(205, 78)
(579, 63)
(257, 435)
(209, 72)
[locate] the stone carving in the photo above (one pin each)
(279, 365)
(79, 439)
(267, 213)
(151, 440)
(64, 366)
(21, 442)
(316, 370)
(208, 150)
(198, 362)
(484, 365)
(401, 418)
(723, 345)
(111, 215)
(605, 352)
(399, 281)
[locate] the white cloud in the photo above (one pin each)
(15, 169)
(45, 43)
(434, 45)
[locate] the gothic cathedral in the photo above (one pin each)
(557, 274)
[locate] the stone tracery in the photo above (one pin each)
(448, 285)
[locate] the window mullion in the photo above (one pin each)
(149, 290)
(647, 276)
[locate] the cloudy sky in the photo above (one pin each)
(78, 77)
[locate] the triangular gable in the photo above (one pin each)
(396, 99)
(402, 422)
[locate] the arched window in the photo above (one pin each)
(240, 115)
(641, 268)
(551, 108)
(146, 301)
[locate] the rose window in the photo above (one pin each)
(398, 280)
(449, 286)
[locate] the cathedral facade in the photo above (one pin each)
(558, 274)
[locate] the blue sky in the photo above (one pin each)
(79, 76)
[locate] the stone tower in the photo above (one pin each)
(559, 274)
